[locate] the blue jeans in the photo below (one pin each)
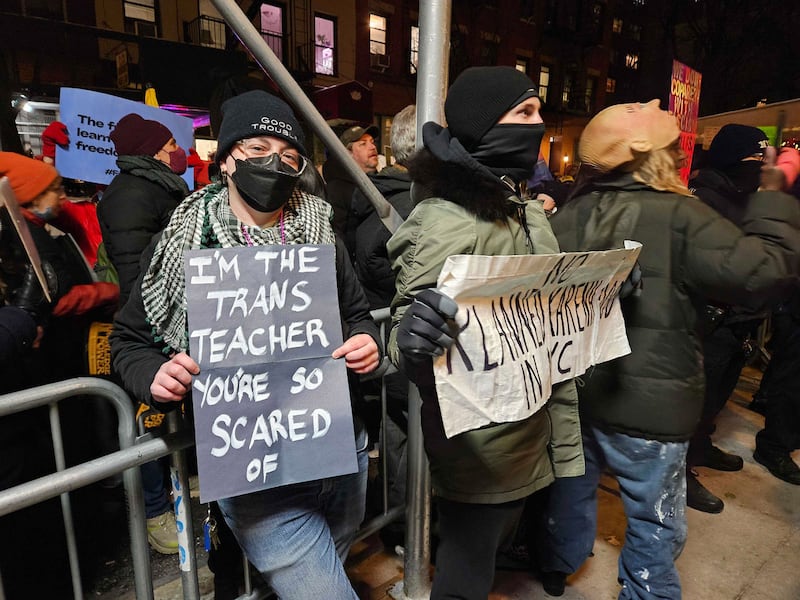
(652, 483)
(298, 536)
(156, 497)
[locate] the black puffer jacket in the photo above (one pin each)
(690, 251)
(370, 257)
(130, 213)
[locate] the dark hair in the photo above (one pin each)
(311, 181)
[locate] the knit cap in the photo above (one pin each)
(617, 134)
(479, 97)
(735, 142)
(136, 136)
(28, 177)
(257, 113)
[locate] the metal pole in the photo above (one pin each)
(273, 67)
(434, 37)
(179, 475)
(66, 505)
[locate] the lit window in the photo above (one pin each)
(611, 85)
(522, 65)
(544, 83)
(140, 17)
(377, 34)
(272, 28)
(324, 45)
(566, 93)
(616, 26)
(414, 54)
(632, 61)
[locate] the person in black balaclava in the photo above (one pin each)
(733, 172)
(467, 180)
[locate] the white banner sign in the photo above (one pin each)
(526, 323)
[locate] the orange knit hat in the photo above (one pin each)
(620, 133)
(28, 177)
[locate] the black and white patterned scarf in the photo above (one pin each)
(205, 220)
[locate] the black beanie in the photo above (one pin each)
(257, 113)
(733, 143)
(479, 97)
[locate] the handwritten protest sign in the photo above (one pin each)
(526, 323)
(271, 406)
(90, 117)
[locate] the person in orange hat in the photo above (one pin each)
(39, 191)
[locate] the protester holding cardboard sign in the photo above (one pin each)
(639, 411)
(296, 535)
(471, 172)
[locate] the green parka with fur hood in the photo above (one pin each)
(465, 213)
(690, 253)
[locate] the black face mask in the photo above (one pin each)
(510, 149)
(265, 183)
(745, 175)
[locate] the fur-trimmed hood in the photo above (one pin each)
(444, 169)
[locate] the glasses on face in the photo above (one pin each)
(255, 148)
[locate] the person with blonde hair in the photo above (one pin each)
(638, 412)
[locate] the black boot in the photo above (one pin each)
(553, 582)
(699, 498)
(779, 464)
(719, 460)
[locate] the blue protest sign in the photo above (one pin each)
(271, 407)
(90, 117)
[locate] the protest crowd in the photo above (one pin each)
(236, 290)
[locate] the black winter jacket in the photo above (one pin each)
(130, 213)
(689, 251)
(370, 258)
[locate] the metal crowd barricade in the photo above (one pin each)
(135, 451)
(65, 479)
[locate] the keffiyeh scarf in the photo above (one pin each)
(205, 220)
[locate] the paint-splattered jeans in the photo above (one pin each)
(652, 482)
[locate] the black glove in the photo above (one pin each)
(424, 329)
(633, 284)
(30, 297)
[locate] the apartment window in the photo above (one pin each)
(413, 57)
(522, 65)
(272, 28)
(544, 83)
(377, 40)
(324, 45)
(591, 86)
(44, 8)
(635, 31)
(140, 17)
(616, 25)
(566, 92)
(632, 61)
(611, 85)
